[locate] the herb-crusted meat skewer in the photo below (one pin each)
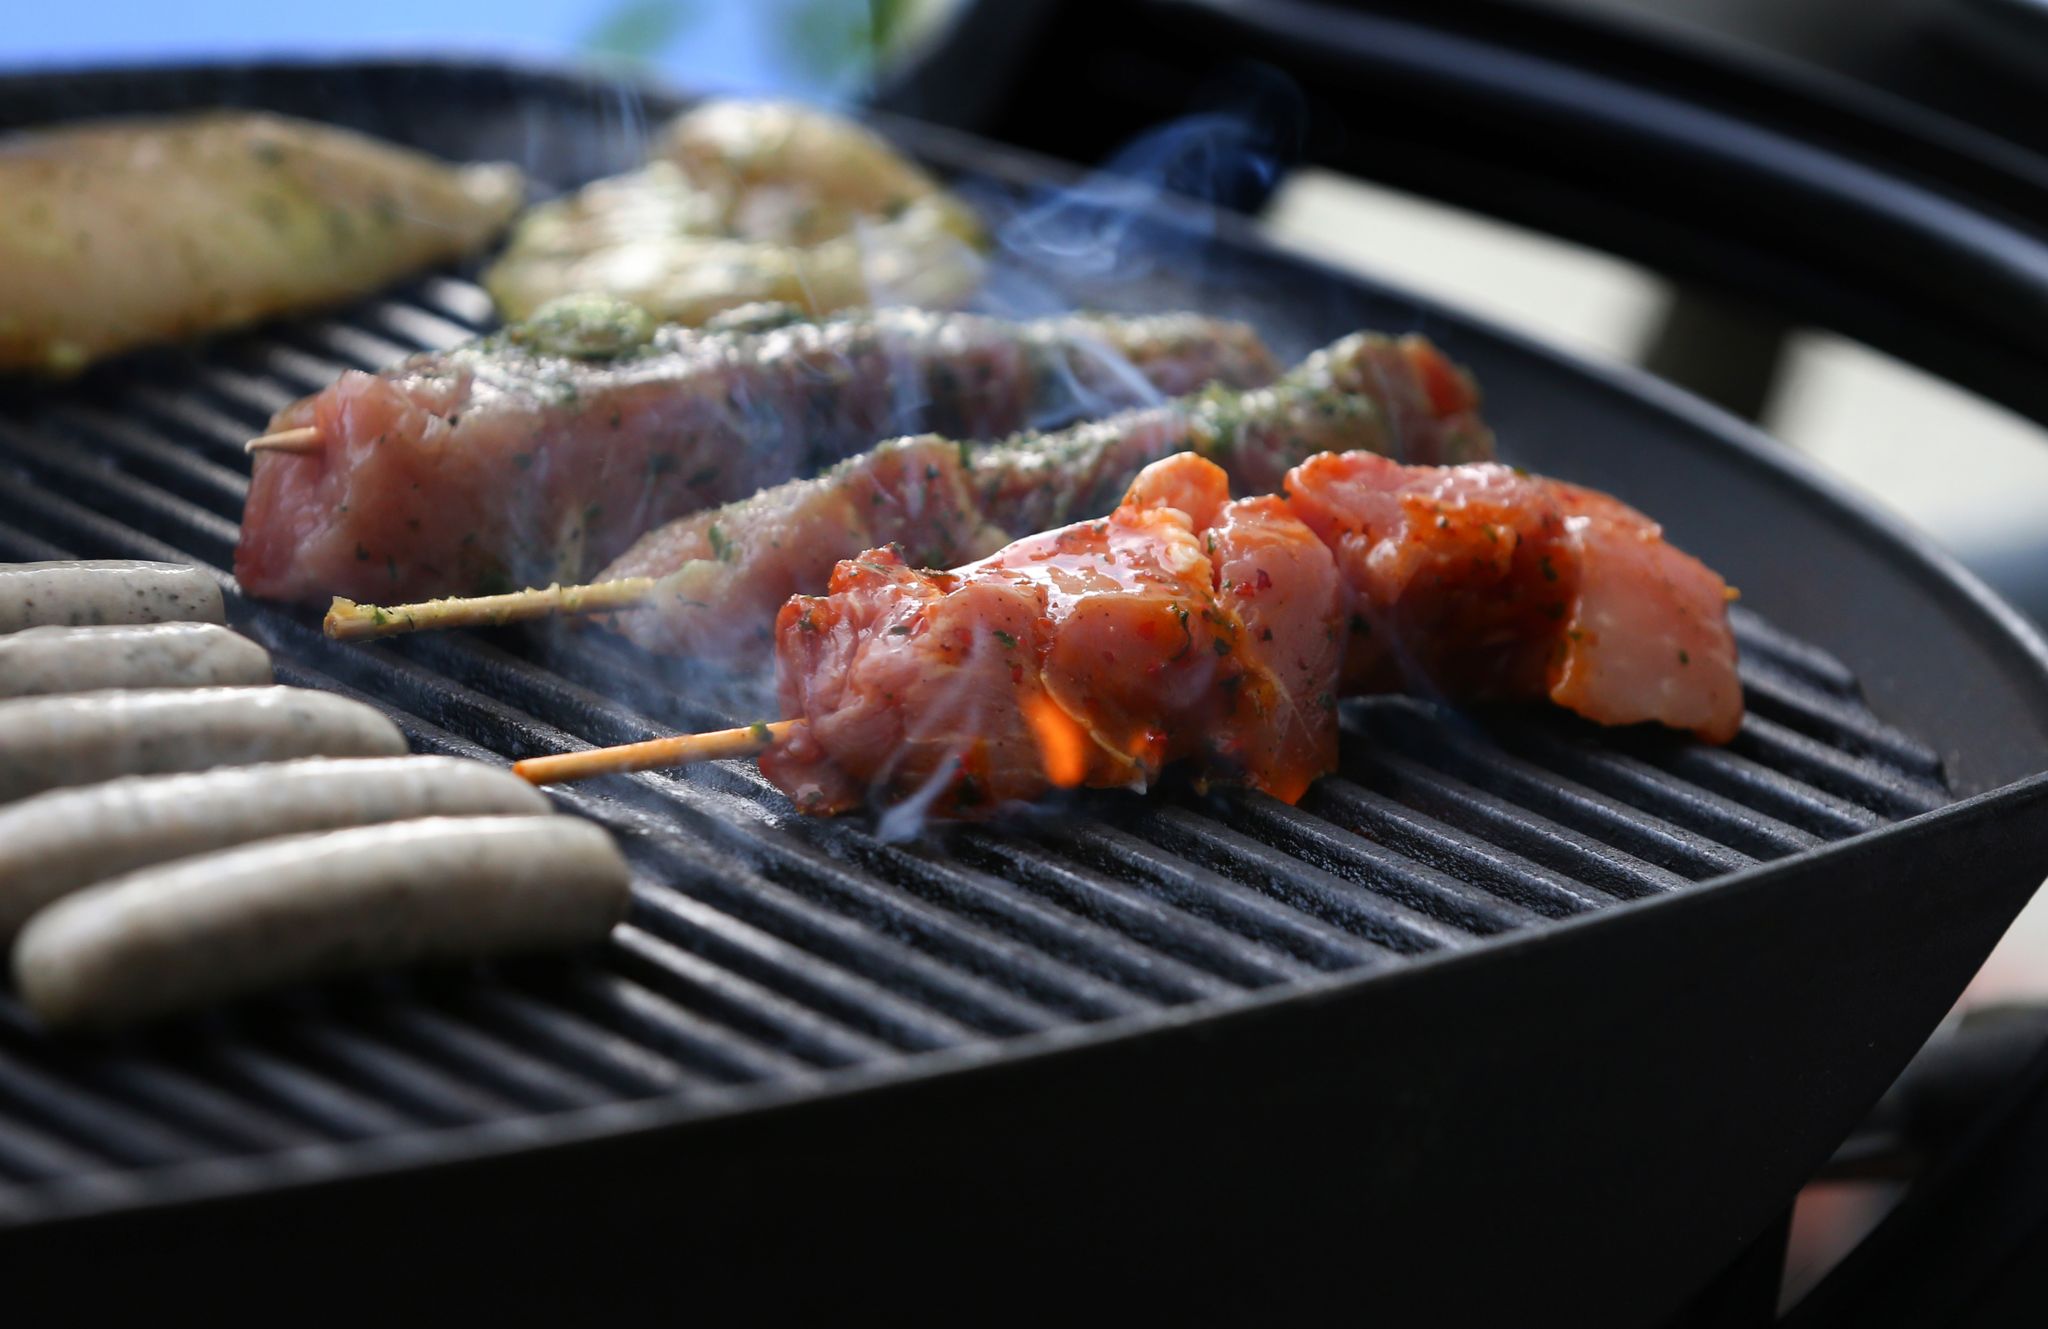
(709, 584)
(544, 450)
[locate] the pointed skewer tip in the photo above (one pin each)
(654, 754)
(300, 441)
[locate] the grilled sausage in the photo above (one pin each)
(66, 839)
(171, 938)
(130, 655)
(49, 742)
(72, 593)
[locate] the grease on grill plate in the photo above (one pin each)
(762, 947)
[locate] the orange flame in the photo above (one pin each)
(1062, 743)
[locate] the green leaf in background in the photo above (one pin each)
(840, 40)
(641, 30)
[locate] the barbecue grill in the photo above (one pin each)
(1512, 1019)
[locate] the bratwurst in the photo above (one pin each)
(50, 742)
(66, 839)
(39, 661)
(170, 938)
(73, 592)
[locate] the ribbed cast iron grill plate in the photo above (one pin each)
(767, 953)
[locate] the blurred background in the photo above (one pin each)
(1969, 473)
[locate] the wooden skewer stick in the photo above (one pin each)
(348, 621)
(286, 440)
(655, 754)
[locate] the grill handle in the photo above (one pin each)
(1812, 197)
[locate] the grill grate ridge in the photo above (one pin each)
(866, 1007)
(503, 1068)
(1405, 727)
(232, 1122)
(1153, 927)
(1501, 893)
(951, 934)
(766, 949)
(1645, 787)
(1379, 916)
(751, 1014)
(170, 465)
(1207, 893)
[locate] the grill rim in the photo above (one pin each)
(2015, 645)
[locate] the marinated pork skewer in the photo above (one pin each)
(541, 452)
(1186, 627)
(118, 233)
(1181, 627)
(709, 584)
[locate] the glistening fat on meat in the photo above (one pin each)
(172, 938)
(61, 841)
(1055, 661)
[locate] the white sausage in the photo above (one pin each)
(37, 661)
(50, 742)
(72, 593)
(58, 842)
(172, 938)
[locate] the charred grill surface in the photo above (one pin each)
(769, 953)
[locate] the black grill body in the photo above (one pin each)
(1511, 1019)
